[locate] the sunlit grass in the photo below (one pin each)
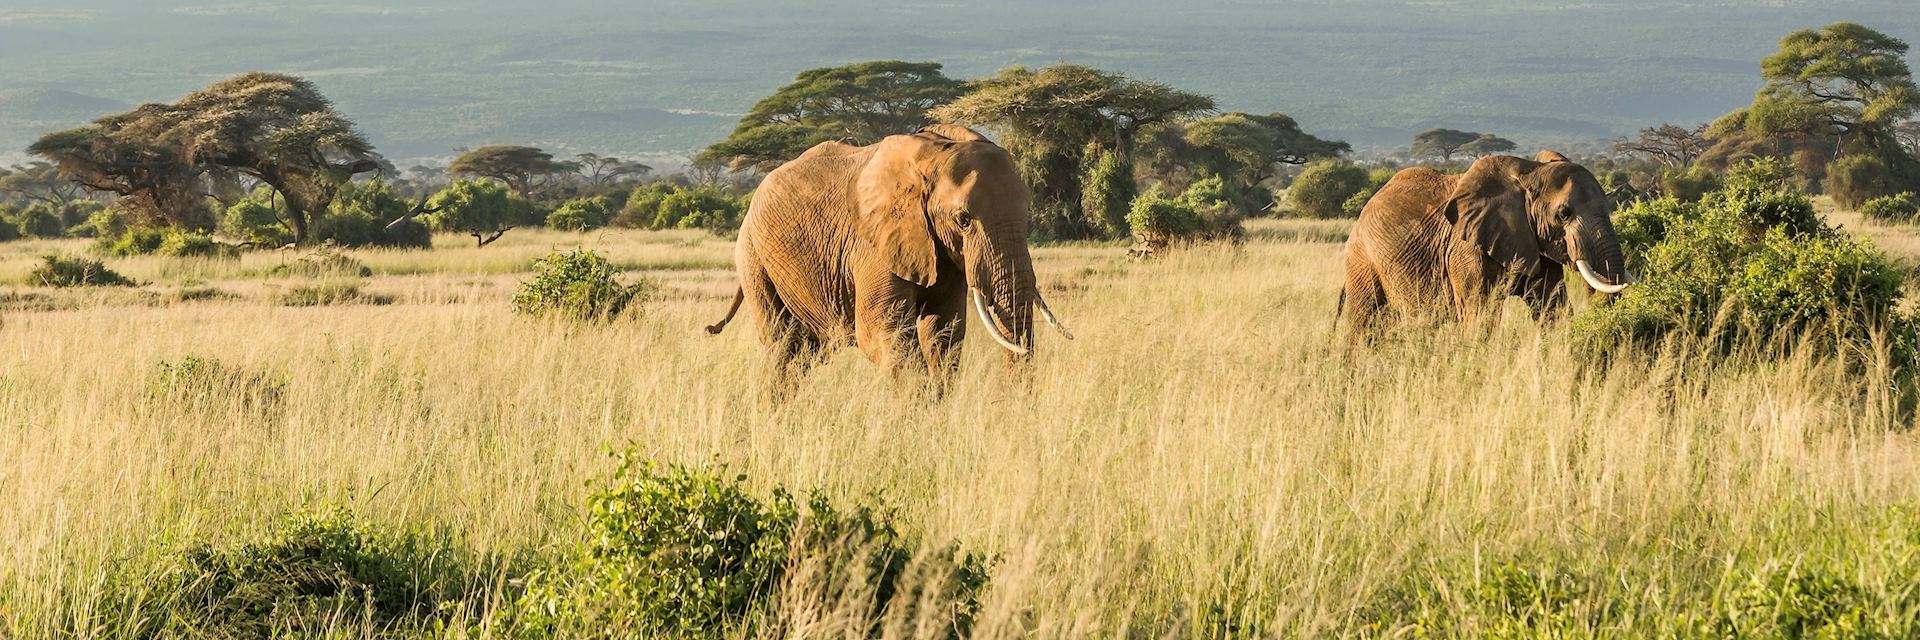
(1206, 458)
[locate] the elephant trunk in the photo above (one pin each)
(1596, 254)
(1000, 290)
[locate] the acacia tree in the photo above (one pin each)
(1054, 119)
(858, 103)
(1242, 149)
(274, 128)
(1442, 142)
(1845, 78)
(599, 170)
(1671, 145)
(40, 181)
(1908, 134)
(1487, 144)
(522, 168)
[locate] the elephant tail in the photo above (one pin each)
(1339, 307)
(739, 293)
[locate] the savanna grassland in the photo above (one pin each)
(1206, 459)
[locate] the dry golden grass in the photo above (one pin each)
(1207, 448)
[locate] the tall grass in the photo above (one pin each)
(1206, 460)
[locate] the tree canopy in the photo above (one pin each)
(597, 169)
(1447, 143)
(521, 168)
(1054, 119)
(859, 103)
(1843, 78)
(1669, 144)
(275, 128)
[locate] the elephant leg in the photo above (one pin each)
(1467, 273)
(884, 323)
(941, 328)
(1546, 292)
(1362, 298)
(791, 347)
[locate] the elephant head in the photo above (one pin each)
(946, 203)
(1519, 211)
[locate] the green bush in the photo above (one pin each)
(1689, 184)
(577, 284)
(183, 244)
(1157, 220)
(134, 241)
(206, 385)
(581, 214)
(40, 220)
(1897, 208)
(1323, 188)
(703, 208)
(643, 205)
(310, 575)
(325, 262)
(1853, 180)
(255, 222)
(107, 222)
(328, 292)
(1108, 190)
(480, 208)
(678, 552)
(1746, 262)
(74, 271)
(359, 217)
(9, 230)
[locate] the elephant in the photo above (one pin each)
(888, 247)
(1434, 243)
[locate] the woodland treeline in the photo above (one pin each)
(265, 160)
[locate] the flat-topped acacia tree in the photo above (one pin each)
(275, 128)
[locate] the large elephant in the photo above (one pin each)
(890, 246)
(1433, 243)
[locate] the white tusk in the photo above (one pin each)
(1044, 311)
(992, 329)
(1586, 273)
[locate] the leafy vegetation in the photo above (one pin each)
(579, 285)
(858, 103)
(1899, 208)
(74, 271)
(581, 214)
(1323, 189)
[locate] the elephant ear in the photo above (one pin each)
(1488, 209)
(893, 189)
(1549, 156)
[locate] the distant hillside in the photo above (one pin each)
(423, 77)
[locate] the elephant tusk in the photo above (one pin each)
(1593, 280)
(992, 328)
(1048, 313)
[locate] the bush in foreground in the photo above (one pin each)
(679, 552)
(74, 271)
(577, 284)
(309, 575)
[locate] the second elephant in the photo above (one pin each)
(1431, 243)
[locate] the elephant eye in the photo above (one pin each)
(1564, 212)
(963, 219)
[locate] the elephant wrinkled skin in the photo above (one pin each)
(1433, 243)
(890, 247)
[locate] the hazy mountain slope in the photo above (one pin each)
(425, 77)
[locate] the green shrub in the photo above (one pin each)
(164, 241)
(9, 230)
(577, 284)
(184, 244)
(206, 385)
(107, 222)
(702, 208)
(643, 205)
(1689, 184)
(479, 208)
(1108, 191)
(1324, 187)
(325, 262)
(581, 214)
(1354, 205)
(40, 220)
(328, 292)
(310, 575)
(1745, 263)
(1158, 221)
(1853, 180)
(359, 217)
(74, 271)
(1897, 208)
(678, 552)
(255, 222)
